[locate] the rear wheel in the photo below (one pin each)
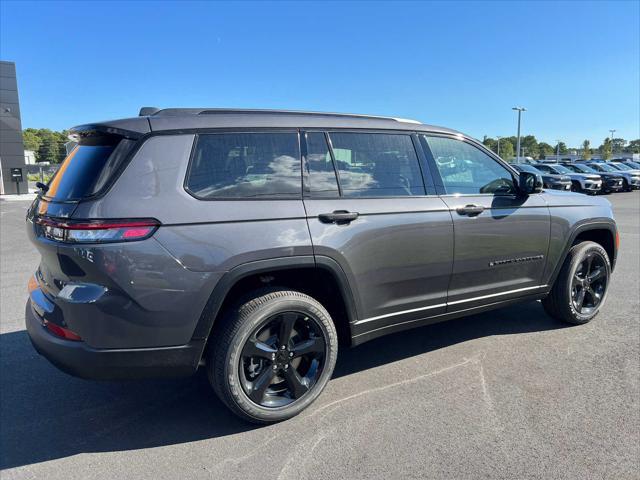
(581, 287)
(273, 355)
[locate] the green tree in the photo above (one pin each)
(490, 143)
(586, 150)
(633, 146)
(605, 149)
(506, 149)
(545, 149)
(530, 144)
(563, 148)
(617, 145)
(48, 150)
(31, 139)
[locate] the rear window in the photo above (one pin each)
(86, 170)
(246, 165)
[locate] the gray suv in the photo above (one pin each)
(252, 243)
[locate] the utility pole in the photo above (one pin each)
(558, 151)
(498, 137)
(520, 110)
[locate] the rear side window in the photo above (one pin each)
(376, 165)
(87, 169)
(245, 165)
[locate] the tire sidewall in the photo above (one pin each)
(254, 320)
(576, 260)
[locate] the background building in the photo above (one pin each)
(11, 147)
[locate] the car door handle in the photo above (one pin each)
(340, 217)
(470, 210)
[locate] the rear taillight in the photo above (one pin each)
(96, 231)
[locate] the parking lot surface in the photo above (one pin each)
(506, 394)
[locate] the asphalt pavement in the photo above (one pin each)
(505, 394)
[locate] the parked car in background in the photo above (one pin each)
(625, 167)
(611, 182)
(580, 182)
(249, 242)
(549, 180)
(630, 181)
(629, 161)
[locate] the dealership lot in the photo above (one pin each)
(510, 393)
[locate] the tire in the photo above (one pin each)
(239, 377)
(563, 302)
(576, 187)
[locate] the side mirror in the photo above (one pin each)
(529, 183)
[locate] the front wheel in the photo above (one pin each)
(581, 287)
(272, 355)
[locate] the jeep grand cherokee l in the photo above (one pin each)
(250, 242)
(580, 182)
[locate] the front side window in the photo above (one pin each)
(245, 165)
(376, 165)
(465, 169)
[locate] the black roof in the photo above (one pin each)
(154, 119)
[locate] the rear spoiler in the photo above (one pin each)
(131, 128)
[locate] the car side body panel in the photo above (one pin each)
(397, 254)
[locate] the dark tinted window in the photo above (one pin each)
(376, 165)
(246, 165)
(467, 169)
(527, 168)
(322, 176)
(545, 168)
(86, 170)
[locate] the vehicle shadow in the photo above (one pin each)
(46, 414)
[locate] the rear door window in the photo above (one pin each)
(376, 165)
(246, 165)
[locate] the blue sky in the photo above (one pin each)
(574, 65)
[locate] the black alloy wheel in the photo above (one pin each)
(589, 283)
(272, 354)
(580, 290)
(282, 359)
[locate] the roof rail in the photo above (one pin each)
(215, 111)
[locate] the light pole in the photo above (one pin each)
(520, 110)
(612, 132)
(558, 151)
(498, 137)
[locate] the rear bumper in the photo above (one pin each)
(80, 360)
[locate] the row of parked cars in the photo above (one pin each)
(591, 177)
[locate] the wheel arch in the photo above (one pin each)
(601, 231)
(320, 277)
